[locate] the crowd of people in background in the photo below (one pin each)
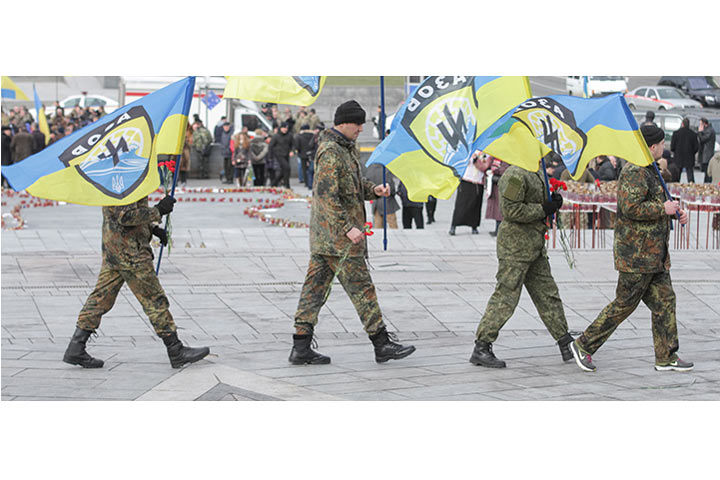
(685, 146)
(21, 135)
(263, 156)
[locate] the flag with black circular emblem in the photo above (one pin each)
(433, 135)
(112, 161)
(577, 129)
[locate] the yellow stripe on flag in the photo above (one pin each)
(12, 91)
(171, 138)
(426, 176)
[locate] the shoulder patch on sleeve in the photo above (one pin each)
(513, 190)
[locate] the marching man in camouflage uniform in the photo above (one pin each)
(642, 233)
(522, 260)
(338, 245)
(127, 257)
(201, 138)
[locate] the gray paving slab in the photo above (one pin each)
(235, 286)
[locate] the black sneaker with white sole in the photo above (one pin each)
(676, 365)
(582, 358)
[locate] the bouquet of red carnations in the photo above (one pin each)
(167, 175)
(557, 186)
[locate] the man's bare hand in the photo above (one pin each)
(671, 206)
(683, 217)
(382, 190)
(355, 235)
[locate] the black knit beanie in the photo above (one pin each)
(652, 134)
(350, 112)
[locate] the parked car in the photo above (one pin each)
(669, 121)
(93, 101)
(703, 89)
(595, 86)
(659, 98)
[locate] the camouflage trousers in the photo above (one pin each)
(538, 280)
(354, 276)
(656, 291)
(145, 286)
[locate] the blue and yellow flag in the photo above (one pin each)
(577, 129)
(433, 134)
(284, 90)
(11, 91)
(41, 117)
(114, 160)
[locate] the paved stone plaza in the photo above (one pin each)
(234, 282)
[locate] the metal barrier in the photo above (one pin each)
(596, 220)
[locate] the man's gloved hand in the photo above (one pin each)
(553, 205)
(161, 233)
(166, 205)
(557, 198)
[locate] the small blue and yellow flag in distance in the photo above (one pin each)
(114, 160)
(433, 134)
(577, 129)
(12, 91)
(284, 90)
(41, 117)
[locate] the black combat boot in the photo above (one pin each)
(386, 348)
(564, 344)
(180, 354)
(483, 355)
(303, 353)
(76, 354)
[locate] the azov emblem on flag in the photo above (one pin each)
(554, 125)
(441, 117)
(114, 157)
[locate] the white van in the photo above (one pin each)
(246, 113)
(238, 112)
(595, 86)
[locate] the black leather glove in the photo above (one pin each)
(553, 205)
(161, 233)
(550, 207)
(165, 205)
(558, 199)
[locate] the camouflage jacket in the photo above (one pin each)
(313, 121)
(521, 236)
(339, 194)
(126, 235)
(200, 139)
(642, 229)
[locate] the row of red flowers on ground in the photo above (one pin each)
(217, 199)
(273, 190)
(29, 201)
(256, 212)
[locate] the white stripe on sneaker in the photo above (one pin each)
(576, 355)
(666, 368)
